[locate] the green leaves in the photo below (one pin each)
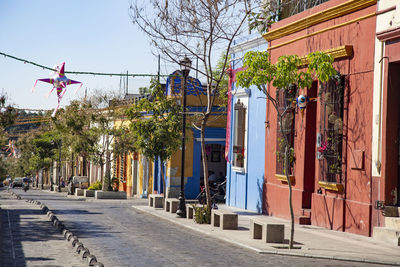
(320, 64)
(259, 70)
(156, 124)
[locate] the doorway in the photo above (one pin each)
(215, 161)
(392, 173)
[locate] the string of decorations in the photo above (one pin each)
(133, 75)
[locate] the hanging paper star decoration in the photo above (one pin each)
(59, 82)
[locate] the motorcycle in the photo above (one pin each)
(26, 186)
(217, 192)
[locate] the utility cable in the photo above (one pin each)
(81, 72)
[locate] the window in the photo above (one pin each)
(330, 140)
(292, 7)
(285, 99)
(239, 132)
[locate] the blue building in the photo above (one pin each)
(246, 129)
(214, 142)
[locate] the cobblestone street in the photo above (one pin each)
(118, 236)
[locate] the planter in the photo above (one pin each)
(89, 193)
(110, 195)
(79, 192)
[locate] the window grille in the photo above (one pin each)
(124, 166)
(121, 167)
(292, 7)
(285, 99)
(115, 169)
(330, 148)
(239, 134)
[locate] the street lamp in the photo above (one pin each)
(185, 65)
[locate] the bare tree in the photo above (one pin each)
(200, 30)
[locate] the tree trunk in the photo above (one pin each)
(290, 196)
(72, 165)
(84, 167)
(205, 163)
(162, 178)
(108, 170)
(102, 171)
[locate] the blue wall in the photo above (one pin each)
(192, 187)
(245, 190)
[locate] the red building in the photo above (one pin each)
(331, 167)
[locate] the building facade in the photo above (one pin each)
(386, 111)
(245, 134)
(141, 176)
(331, 165)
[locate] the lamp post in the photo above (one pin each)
(185, 65)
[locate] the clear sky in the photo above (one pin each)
(89, 35)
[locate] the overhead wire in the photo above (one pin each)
(25, 61)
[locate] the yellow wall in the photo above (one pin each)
(151, 186)
(140, 177)
(174, 164)
(129, 179)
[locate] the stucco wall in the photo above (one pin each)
(244, 189)
(351, 208)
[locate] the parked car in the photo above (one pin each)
(18, 182)
(7, 182)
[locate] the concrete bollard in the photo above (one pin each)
(57, 223)
(73, 241)
(68, 235)
(78, 246)
(53, 217)
(45, 209)
(91, 259)
(71, 237)
(60, 227)
(64, 232)
(84, 253)
(98, 264)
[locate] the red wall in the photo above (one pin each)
(351, 210)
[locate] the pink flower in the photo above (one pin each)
(323, 147)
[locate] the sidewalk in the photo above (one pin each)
(310, 241)
(27, 237)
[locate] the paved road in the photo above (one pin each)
(121, 236)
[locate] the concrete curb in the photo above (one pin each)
(273, 252)
(78, 247)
